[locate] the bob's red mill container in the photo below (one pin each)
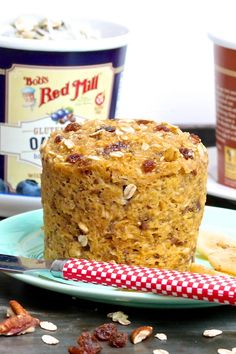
(52, 72)
(225, 92)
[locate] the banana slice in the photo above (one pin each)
(201, 269)
(210, 242)
(224, 260)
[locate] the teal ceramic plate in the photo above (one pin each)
(22, 235)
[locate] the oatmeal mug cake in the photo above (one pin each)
(126, 191)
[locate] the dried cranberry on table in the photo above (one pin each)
(105, 331)
(87, 339)
(118, 339)
(88, 344)
(81, 350)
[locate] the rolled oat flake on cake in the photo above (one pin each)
(154, 197)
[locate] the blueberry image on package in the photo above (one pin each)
(63, 115)
(28, 187)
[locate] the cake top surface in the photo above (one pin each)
(145, 145)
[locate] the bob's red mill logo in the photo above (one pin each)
(74, 89)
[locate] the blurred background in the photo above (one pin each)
(169, 72)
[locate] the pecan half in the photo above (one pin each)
(19, 322)
(17, 309)
(140, 333)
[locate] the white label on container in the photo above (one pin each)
(24, 140)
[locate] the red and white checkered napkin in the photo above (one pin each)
(220, 289)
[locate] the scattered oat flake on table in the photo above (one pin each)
(161, 336)
(212, 332)
(160, 351)
(49, 326)
(224, 351)
(47, 339)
